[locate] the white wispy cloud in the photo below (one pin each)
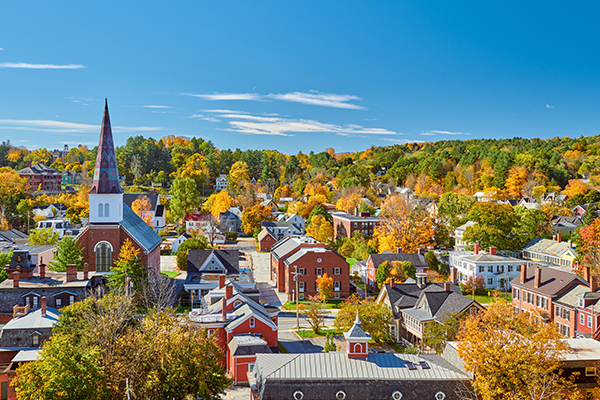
(39, 66)
(433, 133)
(227, 96)
(278, 126)
(401, 141)
(205, 117)
(319, 99)
(225, 112)
(313, 97)
(549, 106)
(1, 49)
(157, 106)
(67, 127)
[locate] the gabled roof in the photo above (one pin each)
(139, 231)
(551, 280)
(357, 332)
(548, 246)
(440, 304)
(106, 175)
(308, 250)
(264, 233)
(38, 169)
(289, 243)
(230, 259)
(405, 295)
(34, 320)
(417, 260)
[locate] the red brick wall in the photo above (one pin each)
(266, 244)
(330, 260)
(268, 335)
(571, 322)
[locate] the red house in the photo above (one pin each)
(243, 327)
(266, 240)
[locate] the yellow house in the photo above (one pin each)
(553, 253)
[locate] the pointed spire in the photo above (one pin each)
(106, 174)
(357, 320)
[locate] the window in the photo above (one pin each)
(106, 210)
(567, 314)
(103, 257)
(589, 321)
(538, 300)
(336, 295)
(318, 271)
(35, 340)
(35, 302)
(558, 311)
(516, 294)
(237, 303)
(500, 268)
(319, 260)
(58, 303)
(337, 271)
(337, 286)
(252, 322)
(301, 286)
(250, 367)
(510, 268)
(490, 281)
(301, 271)
(518, 268)
(491, 268)
(71, 300)
(100, 210)
(544, 303)
(301, 296)
(481, 268)
(590, 371)
(581, 319)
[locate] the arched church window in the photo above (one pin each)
(106, 210)
(103, 257)
(100, 210)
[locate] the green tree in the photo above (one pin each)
(432, 261)
(67, 252)
(383, 273)
(314, 315)
(4, 261)
(43, 236)
(329, 344)
(128, 265)
(495, 226)
(454, 207)
(199, 243)
(184, 198)
(590, 214)
(437, 334)
(101, 350)
(409, 269)
(375, 317)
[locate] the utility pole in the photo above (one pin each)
(295, 273)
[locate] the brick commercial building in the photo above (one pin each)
(38, 175)
(284, 248)
(111, 220)
(344, 224)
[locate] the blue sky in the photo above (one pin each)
(298, 76)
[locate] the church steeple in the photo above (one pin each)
(106, 174)
(106, 196)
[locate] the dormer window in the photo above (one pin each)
(35, 339)
(580, 302)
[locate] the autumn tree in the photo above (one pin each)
(437, 334)
(142, 207)
(575, 187)
(375, 317)
(128, 265)
(252, 218)
(218, 203)
(494, 226)
(517, 176)
(238, 175)
(67, 252)
(320, 229)
(184, 198)
(404, 225)
(314, 314)
(513, 356)
(43, 236)
(325, 285)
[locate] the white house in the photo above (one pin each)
(459, 243)
(221, 182)
(496, 270)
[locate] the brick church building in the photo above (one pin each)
(111, 220)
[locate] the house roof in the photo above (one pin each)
(37, 169)
(571, 297)
(548, 246)
(34, 320)
(229, 258)
(289, 243)
(309, 250)
(52, 279)
(264, 233)
(416, 259)
(357, 332)
(140, 231)
(27, 355)
(464, 226)
(566, 222)
(582, 350)
(349, 217)
(337, 366)
(405, 295)
(440, 304)
(494, 258)
(246, 345)
(551, 280)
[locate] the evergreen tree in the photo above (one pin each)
(432, 261)
(329, 345)
(590, 214)
(67, 252)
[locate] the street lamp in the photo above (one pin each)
(295, 273)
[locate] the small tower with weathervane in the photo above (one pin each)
(357, 341)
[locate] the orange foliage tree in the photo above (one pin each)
(142, 207)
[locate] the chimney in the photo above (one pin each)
(447, 286)
(421, 279)
(523, 273)
(453, 275)
(538, 277)
(29, 163)
(42, 270)
(86, 271)
(71, 272)
(392, 282)
(476, 249)
(399, 250)
(15, 276)
(586, 274)
(593, 283)
(493, 250)
(558, 237)
(221, 281)
(224, 308)
(228, 291)
(44, 302)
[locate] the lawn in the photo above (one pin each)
(170, 274)
(302, 304)
(308, 333)
(489, 299)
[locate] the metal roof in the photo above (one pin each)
(34, 320)
(140, 231)
(27, 355)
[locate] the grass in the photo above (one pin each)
(490, 299)
(397, 348)
(351, 261)
(170, 274)
(303, 304)
(183, 309)
(308, 333)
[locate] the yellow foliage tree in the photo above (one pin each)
(238, 174)
(517, 176)
(319, 228)
(404, 225)
(349, 203)
(221, 203)
(142, 207)
(575, 187)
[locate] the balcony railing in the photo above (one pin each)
(20, 311)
